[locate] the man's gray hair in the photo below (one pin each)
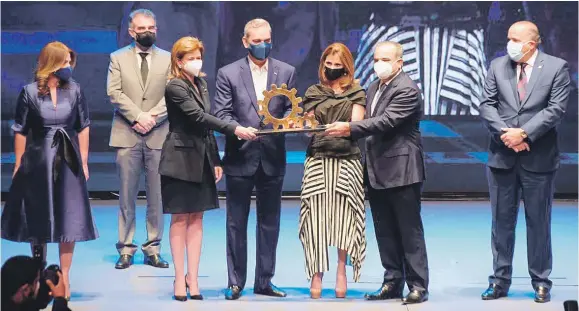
(144, 12)
(395, 45)
(255, 23)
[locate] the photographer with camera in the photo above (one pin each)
(27, 286)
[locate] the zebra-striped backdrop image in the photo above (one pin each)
(448, 47)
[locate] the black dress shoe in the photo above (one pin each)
(387, 291)
(271, 290)
(493, 292)
(542, 294)
(124, 262)
(233, 293)
(415, 296)
(156, 261)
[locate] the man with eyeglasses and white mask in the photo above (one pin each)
(524, 99)
(136, 86)
(394, 173)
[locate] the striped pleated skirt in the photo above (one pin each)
(332, 213)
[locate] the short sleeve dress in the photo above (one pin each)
(48, 199)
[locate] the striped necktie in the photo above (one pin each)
(522, 84)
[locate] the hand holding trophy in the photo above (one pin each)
(294, 122)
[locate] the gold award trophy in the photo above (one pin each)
(301, 124)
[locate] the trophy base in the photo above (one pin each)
(319, 128)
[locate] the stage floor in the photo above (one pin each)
(457, 240)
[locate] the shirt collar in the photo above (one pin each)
(138, 50)
(531, 61)
(254, 67)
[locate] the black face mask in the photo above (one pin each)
(334, 73)
(146, 39)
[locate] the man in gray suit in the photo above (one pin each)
(136, 86)
(524, 99)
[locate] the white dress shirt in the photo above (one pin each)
(529, 68)
(259, 76)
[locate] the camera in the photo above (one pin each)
(50, 273)
(43, 298)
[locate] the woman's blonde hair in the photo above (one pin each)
(51, 58)
(180, 48)
(347, 61)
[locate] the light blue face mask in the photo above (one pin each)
(260, 51)
(515, 50)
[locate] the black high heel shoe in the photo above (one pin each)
(179, 298)
(193, 297)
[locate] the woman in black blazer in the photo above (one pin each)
(190, 163)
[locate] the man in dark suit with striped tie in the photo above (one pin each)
(524, 99)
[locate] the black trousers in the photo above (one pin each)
(506, 187)
(400, 235)
(268, 193)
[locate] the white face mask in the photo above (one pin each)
(515, 50)
(383, 69)
(193, 67)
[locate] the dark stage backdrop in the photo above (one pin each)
(447, 48)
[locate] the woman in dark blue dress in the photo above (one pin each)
(48, 200)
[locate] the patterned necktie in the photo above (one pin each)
(144, 67)
(522, 84)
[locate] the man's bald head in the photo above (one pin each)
(524, 31)
(524, 38)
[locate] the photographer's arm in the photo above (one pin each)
(58, 292)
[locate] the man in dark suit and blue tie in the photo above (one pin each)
(247, 164)
(524, 99)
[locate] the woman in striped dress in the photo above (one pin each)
(332, 199)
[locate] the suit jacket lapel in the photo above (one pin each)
(535, 76)
(383, 101)
(248, 82)
(205, 102)
(133, 57)
(370, 97)
(196, 95)
(151, 68)
(271, 74)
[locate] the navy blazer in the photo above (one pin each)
(540, 112)
(236, 103)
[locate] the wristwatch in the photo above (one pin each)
(524, 134)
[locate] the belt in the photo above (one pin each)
(65, 154)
